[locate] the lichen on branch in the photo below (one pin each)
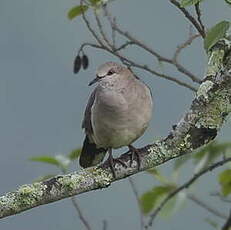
(199, 125)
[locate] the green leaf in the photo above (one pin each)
(74, 154)
(225, 182)
(215, 34)
(185, 3)
(179, 162)
(94, 2)
(64, 161)
(76, 11)
(46, 159)
(212, 223)
(209, 153)
(60, 161)
(174, 205)
(156, 173)
(151, 198)
(204, 161)
(168, 208)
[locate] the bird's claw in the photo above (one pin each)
(134, 152)
(112, 162)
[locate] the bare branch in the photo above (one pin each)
(115, 52)
(102, 32)
(88, 44)
(113, 33)
(189, 17)
(198, 12)
(160, 58)
(138, 202)
(206, 206)
(105, 225)
(184, 45)
(167, 77)
(222, 198)
(124, 46)
(81, 217)
(227, 224)
(92, 31)
(185, 186)
(143, 67)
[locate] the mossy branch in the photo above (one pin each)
(209, 109)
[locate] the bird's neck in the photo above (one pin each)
(117, 84)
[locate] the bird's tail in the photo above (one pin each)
(91, 155)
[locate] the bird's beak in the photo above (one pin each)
(94, 81)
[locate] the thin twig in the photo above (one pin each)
(184, 45)
(222, 198)
(143, 67)
(189, 17)
(124, 46)
(184, 186)
(105, 225)
(179, 67)
(198, 12)
(102, 32)
(148, 69)
(112, 21)
(206, 206)
(160, 58)
(132, 63)
(92, 31)
(88, 44)
(138, 201)
(81, 217)
(114, 33)
(167, 77)
(227, 224)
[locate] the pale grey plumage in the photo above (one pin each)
(117, 113)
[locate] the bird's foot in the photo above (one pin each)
(112, 162)
(134, 152)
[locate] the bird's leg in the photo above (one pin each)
(134, 151)
(112, 162)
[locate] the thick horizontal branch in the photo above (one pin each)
(196, 128)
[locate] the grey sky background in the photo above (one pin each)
(42, 104)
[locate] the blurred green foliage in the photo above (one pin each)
(60, 160)
(200, 159)
(185, 3)
(225, 182)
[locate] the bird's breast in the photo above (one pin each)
(119, 120)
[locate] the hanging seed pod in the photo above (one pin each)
(77, 64)
(85, 61)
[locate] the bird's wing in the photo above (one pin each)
(90, 155)
(86, 124)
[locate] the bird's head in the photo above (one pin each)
(109, 71)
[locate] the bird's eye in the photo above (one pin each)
(110, 72)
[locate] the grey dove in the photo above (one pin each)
(118, 113)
